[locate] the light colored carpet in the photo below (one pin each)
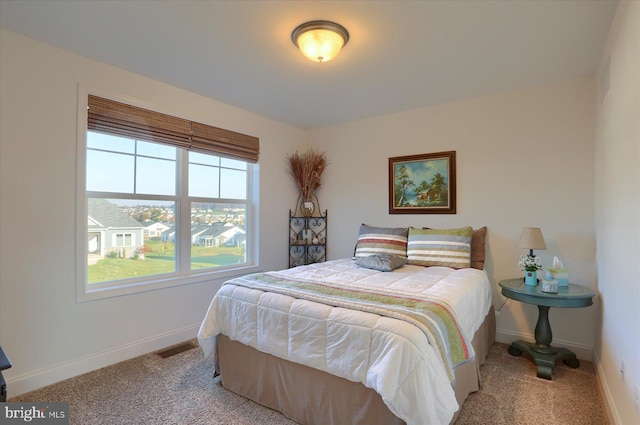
(180, 390)
(512, 394)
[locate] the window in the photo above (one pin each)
(124, 239)
(168, 200)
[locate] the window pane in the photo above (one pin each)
(109, 172)
(156, 150)
(218, 236)
(232, 163)
(204, 181)
(156, 176)
(110, 142)
(234, 184)
(142, 245)
(203, 158)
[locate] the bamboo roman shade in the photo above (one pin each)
(108, 116)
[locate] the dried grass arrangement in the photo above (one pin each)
(306, 169)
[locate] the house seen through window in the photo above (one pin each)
(156, 208)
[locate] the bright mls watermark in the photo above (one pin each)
(35, 413)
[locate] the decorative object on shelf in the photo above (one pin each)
(306, 170)
(550, 286)
(307, 222)
(530, 278)
(531, 238)
(558, 272)
(320, 41)
(308, 206)
(530, 265)
(423, 184)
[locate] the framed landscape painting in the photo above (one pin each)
(423, 184)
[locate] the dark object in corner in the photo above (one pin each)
(4, 364)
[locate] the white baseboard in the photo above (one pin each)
(41, 378)
(582, 352)
(607, 398)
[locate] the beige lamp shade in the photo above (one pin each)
(320, 41)
(531, 238)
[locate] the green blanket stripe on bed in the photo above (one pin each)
(431, 317)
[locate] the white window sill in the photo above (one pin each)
(154, 283)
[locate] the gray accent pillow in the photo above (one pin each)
(382, 262)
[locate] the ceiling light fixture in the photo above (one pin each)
(320, 41)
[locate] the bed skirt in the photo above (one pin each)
(312, 397)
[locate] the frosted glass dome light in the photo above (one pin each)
(320, 41)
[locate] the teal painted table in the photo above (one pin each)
(541, 352)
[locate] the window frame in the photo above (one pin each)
(184, 275)
(123, 236)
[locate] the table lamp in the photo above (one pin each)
(531, 238)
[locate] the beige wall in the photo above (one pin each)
(47, 335)
(524, 158)
(618, 214)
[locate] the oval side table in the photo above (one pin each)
(541, 352)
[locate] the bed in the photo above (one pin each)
(390, 336)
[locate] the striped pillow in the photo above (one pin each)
(382, 240)
(440, 247)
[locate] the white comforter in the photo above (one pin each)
(388, 355)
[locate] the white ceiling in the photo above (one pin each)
(401, 55)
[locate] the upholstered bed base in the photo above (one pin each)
(312, 397)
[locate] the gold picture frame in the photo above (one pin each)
(423, 184)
